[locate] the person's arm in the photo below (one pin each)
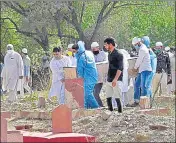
(81, 63)
(119, 69)
(139, 59)
(20, 66)
(168, 65)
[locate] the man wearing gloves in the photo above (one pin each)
(143, 66)
(163, 65)
(153, 61)
(13, 71)
(115, 74)
(86, 69)
(99, 56)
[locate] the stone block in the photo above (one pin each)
(165, 99)
(106, 114)
(62, 119)
(144, 102)
(158, 127)
(22, 114)
(41, 102)
(142, 138)
(79, 113)
(156, 112)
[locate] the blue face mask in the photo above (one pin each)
(137, 47)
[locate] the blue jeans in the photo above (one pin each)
(89, 99)
(142, 86)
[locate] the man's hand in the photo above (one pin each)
(62, 80)
(114, 82)
(134, 70)
(20, 77)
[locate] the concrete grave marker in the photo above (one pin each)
(62, 119)
(144, 102)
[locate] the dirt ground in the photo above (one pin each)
(125, 127)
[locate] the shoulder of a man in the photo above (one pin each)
(17, 54)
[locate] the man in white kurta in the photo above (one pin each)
(56, 65)
(124, 84)
(12, 72)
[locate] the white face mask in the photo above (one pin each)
(9, 51)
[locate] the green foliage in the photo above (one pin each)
(156, 19)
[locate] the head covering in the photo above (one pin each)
(159, 44)
(10, 47)
(136, 40)
(94, 44)
(167, 48)
(70, 46)
(146, 41)
(24, 50)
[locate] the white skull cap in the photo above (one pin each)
(136, 40)
(159, 44)
(167, 48)
(24, 50)
(94, 44)
(70, 46)
(10, 47)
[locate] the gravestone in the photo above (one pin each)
(144, 102)
(62, 119)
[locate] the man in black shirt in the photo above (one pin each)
(114, 74)
(163, 65)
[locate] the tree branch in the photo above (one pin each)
(99, 19)
(20, 11)
(82, 12)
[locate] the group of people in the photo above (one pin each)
(151, 63)
(15, 73)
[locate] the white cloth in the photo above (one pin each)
(124, 86)
(57, 87)
(100, 57)
(73, 61)
(143, 61)
(13, 68)
(171, 87)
